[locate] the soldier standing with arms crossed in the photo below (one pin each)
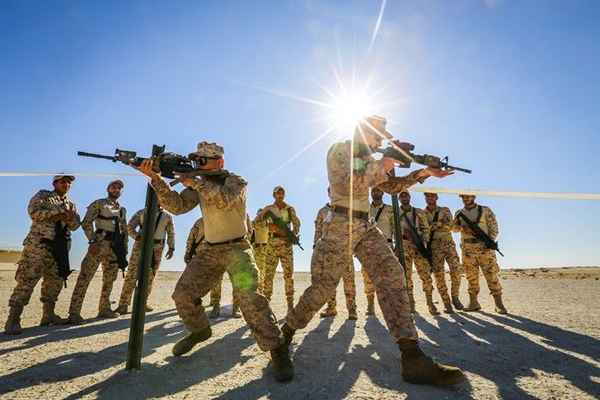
(476, 255)
(164, 227)
(442, 246)
(107, 245)
(52, 213)
(225, 248)
(352, 171)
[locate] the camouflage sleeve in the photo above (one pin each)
(133, 226)
(75, 222)
(456, 223)
(318, 226)
(295, 220)
(222, 195)
(171, 233)
(41, 210)
(191, 239)
(445, 219)
(492, 223)
(394, 185)
(423, 226)
(341, 165)
(173, 202)
(88, 220)
(260, 215)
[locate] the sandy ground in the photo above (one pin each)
(547, 348)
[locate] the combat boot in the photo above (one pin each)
(13, 322)
(448, 307)
(329, 312)
(75, 319)
(235, 311)
(187, 343)
(370, 305)
(352, 316)
(282, 364)
(420, 369)
(107, 313)
(149, 308)
(473, 303)
(49, 317)
(500, 309)
(456, 302)
(288, 334)
(121, 309)
(215, 312)
(432, 308)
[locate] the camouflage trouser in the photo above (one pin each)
(349, 289)
(260, 255)
(132, 271)
(202, 273)
(375, 256)
(215, 294)
(89, 266)
(279, 249)
(368, 284)
(475, 256)
(412, 256)
(36, 262)
(444, 250)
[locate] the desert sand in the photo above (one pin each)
(547, 348)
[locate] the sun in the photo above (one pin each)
(348, 108)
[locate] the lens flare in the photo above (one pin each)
(349, 108)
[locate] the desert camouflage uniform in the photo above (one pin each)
(418, 219)
(260, 245)
(342, 237)
(385, 223)
(99, 213)
(36, 259)
(443, 248)
(225, 248)
(474, 253)
(164, 227)
(347, 275)
(279, 249)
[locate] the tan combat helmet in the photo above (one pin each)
(208, 150)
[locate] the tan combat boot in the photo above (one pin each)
(235, 311)
(370, 305)
(75, 319)
(107, 313)
(420, 369)
(149, 308)
(456, 302)
(216, 311)
(352, 316)
(187, 343)
(121, 309)
(500, 309)
(282, 364)
(473, 303)
(330, 311)
(432, 308)
(13, 322)
(49, 317)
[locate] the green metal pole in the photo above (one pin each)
(399, 248)
(138, 313)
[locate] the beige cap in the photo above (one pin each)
(116, 182)
(378, 123)
(210, 150)
(277, 189)
(70, 178)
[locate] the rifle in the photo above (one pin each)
(424, 251)
(291, 236)
(59, 247)
(170, 165)
(480, 234)
(402, 152)
(118, 246)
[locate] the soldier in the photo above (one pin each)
(416, 228)
(347, 275)
(280, 249)
(52, 213)
(442, 246)
(195, 237)
(260, 244)
(476, 255)
(164, 227)
(107, 245)
(352, 170)
(225, 248)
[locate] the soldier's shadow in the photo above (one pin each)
(44, 335)
(505, 357)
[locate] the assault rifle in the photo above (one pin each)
(291, 236)
(418, 242)
(480, 234)
(402, 152)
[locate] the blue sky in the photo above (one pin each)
(509, 89)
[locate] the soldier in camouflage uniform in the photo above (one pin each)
(50, 211)
(279, 248)
(415, 218)
(442, 246)
(195, 237)
(260, 245)
(110, 221)
(475, 255)
(352, 170)
(164, 227)
(225, 248)
(347, 275)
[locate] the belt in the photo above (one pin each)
(355, 213)
(472, 241)
(236, 240)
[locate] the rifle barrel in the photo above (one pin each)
(94, 155)
(466, 171)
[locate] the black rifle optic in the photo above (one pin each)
(402, 152)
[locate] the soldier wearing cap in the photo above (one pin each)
(414, 228)
(222, 199)
(352, 170)
(105, 226)
(279, 248)
(475, 255)
(52, 213)
(442, 246)
(164, 228)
